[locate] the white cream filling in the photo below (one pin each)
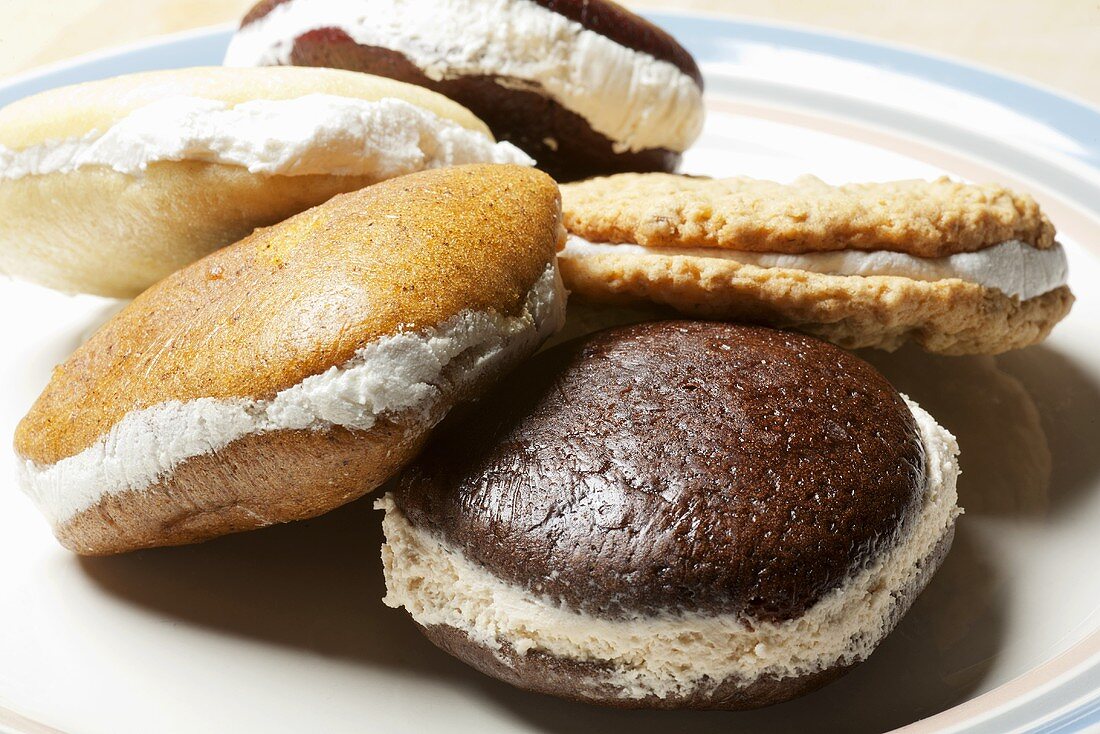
(631, 97)
(408, 372)
(1013, 267)
(675, 653)
(313, 134)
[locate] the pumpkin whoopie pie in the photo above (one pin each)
(957, 268)
(673, 514)
(108, 186)
(584, 86)
(299, 368)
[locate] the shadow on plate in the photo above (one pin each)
(1068, 402)
(315, 585)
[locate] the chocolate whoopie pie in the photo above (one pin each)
(674, 514)
(583, 86)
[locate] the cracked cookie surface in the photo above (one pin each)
(923, 218)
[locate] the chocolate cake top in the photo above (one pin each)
(676, 466)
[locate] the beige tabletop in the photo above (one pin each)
(1056, 42)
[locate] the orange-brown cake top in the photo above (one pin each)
(922, 218)
(294, 299)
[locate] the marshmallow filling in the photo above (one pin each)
(676, 653)
(312, 134)
(1015, 268)
(631, 97)
(407, 373)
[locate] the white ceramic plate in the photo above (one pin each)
(282, 630)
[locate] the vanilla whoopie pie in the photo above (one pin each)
(957, 268)
(584, 86)
(108, 186)
(673, 514)
(298, 369)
